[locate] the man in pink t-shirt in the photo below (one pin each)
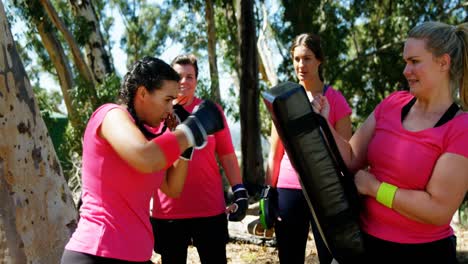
(198, 215)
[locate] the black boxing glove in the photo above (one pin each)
(241, 201)
(206, 120)
(181, 115)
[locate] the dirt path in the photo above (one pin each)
(248, 253)
(239, 253)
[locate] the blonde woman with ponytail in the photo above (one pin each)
(411, 154)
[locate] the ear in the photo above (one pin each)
(444, 62)
(141, 92)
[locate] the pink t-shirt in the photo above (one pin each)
(202, 195)
(339, 108)
(114, 217)
(406, 159)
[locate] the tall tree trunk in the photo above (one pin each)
(211, 28)
(230, 12)
(97, 57)
(267, 68)
(75, 50)
(252, 160)
(37, 213)
(59, 59)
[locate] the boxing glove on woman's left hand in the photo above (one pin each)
(206, 120)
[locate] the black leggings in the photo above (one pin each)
(293, 229)
(73, 257)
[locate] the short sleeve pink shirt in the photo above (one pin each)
(114, 217)
(202, 195)
(406, 159)
(339, 108)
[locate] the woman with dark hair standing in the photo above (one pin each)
(123, 163)
(295, 217)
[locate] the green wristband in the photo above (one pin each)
(386, 193)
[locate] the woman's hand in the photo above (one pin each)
(366, 183)
(171, 121)
(231, 208)
(321, 106)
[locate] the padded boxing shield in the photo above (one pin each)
(326, 183)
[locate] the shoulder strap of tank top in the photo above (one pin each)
(406, 108)
(447, 116)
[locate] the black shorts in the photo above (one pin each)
(208, 234)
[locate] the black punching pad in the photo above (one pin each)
(326, 183)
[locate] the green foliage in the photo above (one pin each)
(232, 105)
(48, 100)
(146, 28)
(31, 48)
(57, 125)
(226, 31)
(190, 25)
(232, 109)
(107, 92)
(363, 42)
(265, 118)
(72, 148)
(56, 122)
(83, 29)
(203, 89)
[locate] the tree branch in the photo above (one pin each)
(363, 56)
(77, 56)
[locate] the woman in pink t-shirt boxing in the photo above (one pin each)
(123, 163)
(293, 228)
(411, 154)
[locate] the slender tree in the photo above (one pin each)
(75, 50)
(266, 67)
(97, 56)
(252, 159)
(56, 53)
(37, 213)
(211, 32)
